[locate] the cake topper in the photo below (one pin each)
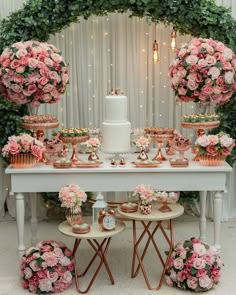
(116, 91)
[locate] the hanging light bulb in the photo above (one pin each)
(173, 39)
(155, 52)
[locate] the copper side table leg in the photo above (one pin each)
(98, 248)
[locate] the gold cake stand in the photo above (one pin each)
(38, 128)
(74, 140)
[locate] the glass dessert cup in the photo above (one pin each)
(166, 198)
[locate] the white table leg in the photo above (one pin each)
(203, 220)
(33, 220)
(217, 204)
(20, 216)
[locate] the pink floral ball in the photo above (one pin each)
(47, 267)
(193, 266)
(32, 72)
(203, 71)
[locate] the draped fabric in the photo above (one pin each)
(115, 51)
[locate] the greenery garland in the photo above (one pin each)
(38, 19)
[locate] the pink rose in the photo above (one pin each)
(48, 62)
(226, 141)
(67, 277)
(45, 285)
(37, 151)
(192, 85)
(16, 88)
(52, 276)
(201, 272)
(229, 77)
(56, 57)
(192, 59)
(31, 89)
(220, 81)
(203, 140)
(21, 53)
(205, 282)
(199, 263)
(207, 90)
(15, 64)
(169, 281)
(65, 78)
(214, 139)
(20, 70)
(32, 63)
(34, 265)
(28, 273)
(214, 72)
(46, 97)
(54, 76)
(49, 258)
(48, 88)
(210, 60)
(202, 63)
(14, 148)
(211, 150)
(6, 63)
(46, 248)
(181, 276)
(178, 263)
(24, 61)
(64, 260)
(192, 283)
(228, 53)
(220, 47)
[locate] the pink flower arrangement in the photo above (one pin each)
(203, 71)
(194, 266)
(145, 192)
(212, 145)
(72, 196)
(47, 267)
(32, 72)
(93, 142)
(23, 143)
(142, 142)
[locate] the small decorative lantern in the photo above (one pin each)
(98, 206)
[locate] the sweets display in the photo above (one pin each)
(39, 119)
(116, 128)
(156, 130)
(200, 118)
(74, 132)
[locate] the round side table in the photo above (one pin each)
(99, 241)
(156, 219)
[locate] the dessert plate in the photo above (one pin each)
(146, 164)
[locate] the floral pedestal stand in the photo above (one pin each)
(200, 127)
(181, 161)
(74, 140)
(38, 128)
(159, 138)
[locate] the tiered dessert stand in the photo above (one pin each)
(200, 127)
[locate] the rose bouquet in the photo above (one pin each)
(203, 71)
(32, 72)
(93, 142)
(194, 266)
(47, 267)
(145, 193)
(213, 145)
(142, 142)
(72, 196)
(23, 144)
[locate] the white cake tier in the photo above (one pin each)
(116, 137)
(115, 109)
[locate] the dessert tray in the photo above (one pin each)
(129, 207)
(81, 228)
(146, 164)
(201, 125)
(90, 164)
(62, 164)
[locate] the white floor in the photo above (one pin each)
(119, 259)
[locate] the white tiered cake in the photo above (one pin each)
(116, 127)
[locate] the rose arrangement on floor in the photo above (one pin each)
(203, 71)
(32, 72)
(47, 267)
(194, 266)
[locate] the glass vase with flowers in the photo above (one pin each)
(146, 194)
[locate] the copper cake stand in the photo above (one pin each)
(74, 140)
(38, 128)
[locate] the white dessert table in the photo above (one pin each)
(156, 219)
(99, 241)
(45, 178)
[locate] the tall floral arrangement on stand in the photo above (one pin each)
(193, 266)
(32, 73)
(203, 71)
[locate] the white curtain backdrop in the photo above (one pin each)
(115, 51)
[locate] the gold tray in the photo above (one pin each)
(145, 164)
(87, 164)
(201, 125)
(40, 126)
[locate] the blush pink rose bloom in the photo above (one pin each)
(203, 140)
(214, 139)
(32, 63)
(16, 88)
(14, 148)
(205, 282)
(214, 72)
(192, 59)
(52, 276)
(226, 141)
(56, 57)
(28, 273)
(169, 281)
(211, 150)
(178, 263)
(21, 53)
(229, 77)
(192, 85)
(207, 90)
(49, 258)
(15, 64)
(37, 151)
(45, 285)
(201, 272)
(192, 283)
(202, 63)
(67, 277)
(48, 88)
(34, 265)
(65, 261)
(181, 276)
(199, 263)
(210, 60)
(228, 53)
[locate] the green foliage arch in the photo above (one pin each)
(38, 19)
